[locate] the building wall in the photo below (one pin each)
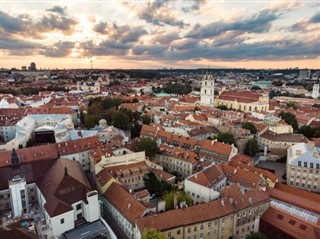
(82, 157)
(61, 223)
(7, 133)
(214, 229)
(263, 105)
(19, 196)
(92, 209)
(304, 177)
(201, 193)
(247, 220)
(124, 159)
(119, 219)
(172, 164)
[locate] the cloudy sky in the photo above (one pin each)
(156, 34)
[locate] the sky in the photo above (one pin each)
(114, 34)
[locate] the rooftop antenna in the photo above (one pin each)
(91, 64)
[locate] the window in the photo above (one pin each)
(62, 221)
(178, 232)
(195, 229)
(305, 164)
(78, 207)
(311, 165)
(299, 163)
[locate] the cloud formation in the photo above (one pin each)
(162, 31)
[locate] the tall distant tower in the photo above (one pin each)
(207, 90)
(315, 91)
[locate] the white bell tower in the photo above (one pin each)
(207, 90)
(315, 91)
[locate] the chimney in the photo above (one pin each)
(298, 152)
(250, 200)
(129, 205)
(311, 145)
(65, 170)
(222, 202)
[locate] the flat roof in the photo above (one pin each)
(90, 230)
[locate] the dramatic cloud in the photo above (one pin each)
(157, 32)
(162, 37)
(26, 25)
(59, 49)
(159, 14)
(306, 25)
(58, 9)
(258, 23)
(315, 18)
(122, 34)
(195, 6)
(13, 24)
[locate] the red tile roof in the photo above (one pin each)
(294, 196)
(61, 188)
(124, 202)
(186, 216)
(289, 224)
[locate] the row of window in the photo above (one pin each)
(311, 165)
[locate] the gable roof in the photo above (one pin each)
(186, 216)
(63, 184)
(124, 202)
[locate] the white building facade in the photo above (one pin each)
(207, 90)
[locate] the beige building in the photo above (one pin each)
(211, 220)
(278, 144)
(177, 160)
(212, 151)
(249, 207)
(303, 166)
(244, 101)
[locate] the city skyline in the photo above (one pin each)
(177, 34)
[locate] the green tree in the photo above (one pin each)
(222, 107)
(151, 233)
(307, 131)
(290, 119)
(292, 104)
(251, 148)
(135, 130)
(250, 126)
(255, 87)
(146, 119)
(256, 235)
(180, 195)
(121, 120)
(226, 138)
(155, 185)
(149, 146)
(81, 117)
(91, 120)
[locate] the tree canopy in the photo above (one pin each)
(149, 146)
(151, 233)
(226, 138)
(290, 119)
(121, 120)
(250, 126)
(292, 104)
(251, 148)
(155, 185)
(256, 235)
(180, 195)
